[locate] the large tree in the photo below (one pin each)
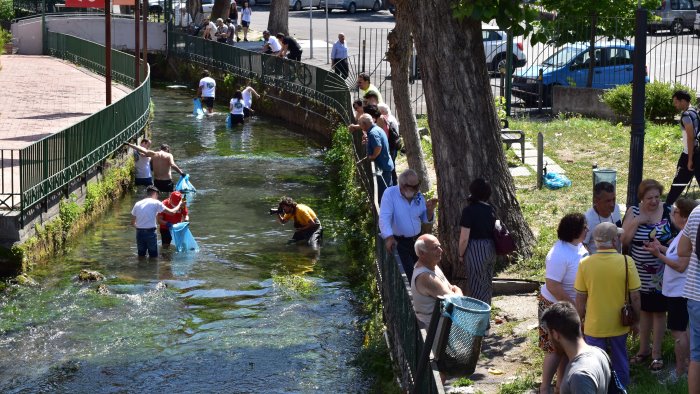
(278, 21)
(462, 116)
(399, 56)
(220, 9)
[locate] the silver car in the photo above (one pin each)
(674, 15)
(495, 48)
(352, 5)
(298, 5)
(697, 24)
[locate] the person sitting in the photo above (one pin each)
(428, 282)
(166, 219)
(271, 45)
(307, 227)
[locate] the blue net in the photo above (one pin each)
(470, 320)
(197, 111)
(182, 238)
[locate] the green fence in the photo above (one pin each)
(323, 86)
(53, 162)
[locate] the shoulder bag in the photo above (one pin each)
(627, 313)
(503, 240)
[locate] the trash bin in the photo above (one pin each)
(604, 175)
(470, 320)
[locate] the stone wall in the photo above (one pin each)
(584, 101)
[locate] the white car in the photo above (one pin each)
(495, 48)
(298, 5)
(696, 27)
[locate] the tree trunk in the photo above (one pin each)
(399, 55)
(591, 50)
(279, 17)
(194, 8)
(220, 9)
(464, 127)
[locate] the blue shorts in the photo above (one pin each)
(245, 23)
(694, 334)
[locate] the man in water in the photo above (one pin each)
(207, 91)
(306, 224)
(161, 161)
(143, 217)
(143, 165)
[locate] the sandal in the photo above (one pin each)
(639, 358)
(656, 365)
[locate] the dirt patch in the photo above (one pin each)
(506, 352)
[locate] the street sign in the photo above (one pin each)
(85, 3)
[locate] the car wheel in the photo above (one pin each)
(297, 6)
(697, 33)
(352, 8)
(677, 27)
(376, 6)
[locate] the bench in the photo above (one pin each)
(510, 137)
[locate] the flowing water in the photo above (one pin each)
(246, 314)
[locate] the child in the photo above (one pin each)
(236, 108)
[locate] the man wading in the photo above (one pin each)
(307, 227)
(143, 217)
(161, 161)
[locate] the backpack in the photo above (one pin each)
(395, 142)
(692, 113)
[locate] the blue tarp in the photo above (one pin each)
(184, 185)
(198, 111)
(554, 181)
(182, 238)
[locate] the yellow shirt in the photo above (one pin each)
(602, 277)
(371, 88)
(302, 216)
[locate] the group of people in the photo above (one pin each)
(281, 45)
(223, 30)
(240, 106)
(601, 263)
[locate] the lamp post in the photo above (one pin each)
(636, 163)
(311, 29)
(108, 52)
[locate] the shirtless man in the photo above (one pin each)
(161, 161)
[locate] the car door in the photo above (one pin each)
(615, 68)
(491, 40)
(578, 69)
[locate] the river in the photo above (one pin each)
(246, 314)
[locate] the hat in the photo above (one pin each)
(175, 197)
(266, 32)
(606, 232)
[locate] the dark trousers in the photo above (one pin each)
(164, 185)
(312, 236)
(616, 347)
(383, 182)
(147, 241)
(407, 253)
(683, 176)
(165, 236)
(294, 56)
(341, 67)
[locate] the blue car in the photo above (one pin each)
(569, 66)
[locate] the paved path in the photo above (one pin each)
(42, 95)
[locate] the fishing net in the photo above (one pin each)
(182, 238)
(470, 320)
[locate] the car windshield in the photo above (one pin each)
(561, 57)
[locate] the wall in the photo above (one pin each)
(27, 33)
(584, 101)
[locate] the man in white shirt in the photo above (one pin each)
(207, 91)
(247, 94)
(142, 164)
(339, 57)
(209, 29)
(604, 210)
(143, 217)
(271, 45)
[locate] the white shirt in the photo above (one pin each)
(237, 107)
(247, 97)
(145, 212)
(398, 216)
(593, 219)
(143, 166)
(208, 86)
(339, 51)
(674, 281)
(245, 14)
(422, 304)
(274, 44)
(691, 290)
(561, 266)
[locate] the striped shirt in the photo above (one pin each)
(650, 268)
(692, 282)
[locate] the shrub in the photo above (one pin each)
(5, 38)
(658, 106)
(7, 11)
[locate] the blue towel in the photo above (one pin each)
(182, 238)
(554, 181)
(198, 111)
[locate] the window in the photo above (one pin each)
(490, 35)
(618, 56)
(583, 59)
(685, 5)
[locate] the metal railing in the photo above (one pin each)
(322, 86)
(53, 162)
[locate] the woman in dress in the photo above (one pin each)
(476, 247)
(643, 224)
(246, 12)
(560, 273)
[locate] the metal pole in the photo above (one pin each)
(108, 52)
(137, 42)
(44, 37)
(540, 159)
(509, 71)
(145, 36)
(636, 163)
(540, 91)
(328, 44)
(364, 49)
(311, 28)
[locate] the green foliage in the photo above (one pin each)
(508, 14)
(294, 286)
(463, 382)
(658, 103)
(5, 37)
(7, 11)
(69, 211)
(500, 103)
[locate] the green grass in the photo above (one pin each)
(463, 382)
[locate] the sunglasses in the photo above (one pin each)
(413, 187)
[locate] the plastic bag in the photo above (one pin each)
(184, 185)
(228, 121)
(182, 238)
(198, 111)
(554, 181)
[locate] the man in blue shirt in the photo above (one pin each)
(404, 210)
(378, 150)
(339, 57)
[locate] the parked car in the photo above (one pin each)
(352, 5)
(496, 49)
(569, 67)
(696, 28)
(298, 5)
(674, 15)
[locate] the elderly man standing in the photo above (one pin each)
(604, 209)
(403, 211)
(600, 285)
(378, 151)
(428, 282)
(339, 57)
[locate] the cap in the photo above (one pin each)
(606, 232)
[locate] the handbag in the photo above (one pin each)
(503, 240)
(627, 313)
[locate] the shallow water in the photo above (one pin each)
(220, 320)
